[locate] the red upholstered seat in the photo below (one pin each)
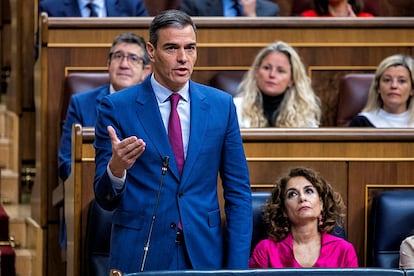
(77, 82)
(227, 81)
(352, 96)
(7, 253)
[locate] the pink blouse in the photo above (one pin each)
(335, 253)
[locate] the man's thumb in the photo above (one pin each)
(112, 134)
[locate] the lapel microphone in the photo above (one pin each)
(164, 169)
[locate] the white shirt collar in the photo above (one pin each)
(162, 93)
(99, 6)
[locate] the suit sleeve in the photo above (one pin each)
(140, 9)
(106, 194)
(189, 8)
(237, 194)
(65, 147)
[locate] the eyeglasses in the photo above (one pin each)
(132, 59)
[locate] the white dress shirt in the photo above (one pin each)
(99, 6)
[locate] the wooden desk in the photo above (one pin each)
(357, 162)
(329, 48)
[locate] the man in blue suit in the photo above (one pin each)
(103, 8)
(128, 64)
(165, 218)
(230, 8)
(123, 72)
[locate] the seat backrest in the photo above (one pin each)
(227, 81)
(77, 82)
(391, 221)
(352, 96)
(97, 240)
(259, 227)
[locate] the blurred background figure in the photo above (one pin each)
(337, 8)
(230, 8)
(407, 253)
(276, 91)
(301, 212)
(390, 97)
(92, 8)
(128, 64)
(89, 8)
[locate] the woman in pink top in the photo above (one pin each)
(337, 8)
(301, 212)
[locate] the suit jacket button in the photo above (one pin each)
(173, 225)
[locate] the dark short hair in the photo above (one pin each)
(168, 18)
(132, 39)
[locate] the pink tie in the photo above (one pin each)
(174, 132)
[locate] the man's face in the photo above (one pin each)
(126, 67)
(174, 58)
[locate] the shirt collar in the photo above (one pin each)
(100, 4)
(162, 93)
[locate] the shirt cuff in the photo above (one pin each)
(116, 181)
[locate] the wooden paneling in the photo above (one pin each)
(351, 160)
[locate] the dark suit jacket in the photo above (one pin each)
(83, 108)
(215, 8)
(215, 147)
(114, 8)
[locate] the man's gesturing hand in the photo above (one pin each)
(124, 153)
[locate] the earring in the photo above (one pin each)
(320, 219)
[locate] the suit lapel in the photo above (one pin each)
(150, 118)
(104, 92)
(215, 7)
(112, 7)
(71, 8)
(198, 126)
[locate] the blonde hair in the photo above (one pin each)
(300, 106)
(374, 102)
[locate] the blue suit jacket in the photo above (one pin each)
(215, 8)
(83, 108)
(114, 8)
(215, 147)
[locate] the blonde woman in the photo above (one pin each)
(390, 97)
(276, 91)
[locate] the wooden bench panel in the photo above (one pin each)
(351, 166)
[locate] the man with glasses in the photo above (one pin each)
(128, 64)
